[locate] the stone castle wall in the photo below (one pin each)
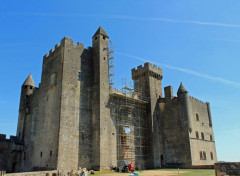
(173, 129)
(205, 142)
(5, 153)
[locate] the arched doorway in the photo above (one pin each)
(162, 160)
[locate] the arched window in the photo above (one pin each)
(202, 134)
(197, 117)
(211, 154)
(197, 135)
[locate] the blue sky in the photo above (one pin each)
(196, 42)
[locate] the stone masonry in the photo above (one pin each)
(74, 118)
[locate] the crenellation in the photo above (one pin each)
(66, 40)
(57, 46)
(147, 69)
(197, 100)
(51, 51)
(45, 56)
(139, 67)
(3, 137)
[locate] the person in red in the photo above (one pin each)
(131, 167)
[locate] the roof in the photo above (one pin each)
(101, 31)
(182, 89)
(29, 81)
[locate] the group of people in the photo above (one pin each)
(82, 172)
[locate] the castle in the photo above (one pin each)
(76, 119)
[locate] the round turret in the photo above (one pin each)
(182, 90)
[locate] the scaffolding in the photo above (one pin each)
(111, 64)
(131, 123)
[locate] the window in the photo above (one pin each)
(31, 87)
(204, 156)
(41, 154)
(104, 37)
(24, 156)
(27, 96)
(25, 87)
(211, 154)
(211, 137)
(202, 134)
(50, 153)
(104, 58)
(197, 135)
(201, 155)
(197, 117)
(95, 38)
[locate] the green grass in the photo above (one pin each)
(189, 172)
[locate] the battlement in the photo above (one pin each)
(197, 100)
(148, 69)
(4, 138)
(65, 41)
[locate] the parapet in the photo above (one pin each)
(147, 70)
(4, 138)
(197, 100)
(65, 41)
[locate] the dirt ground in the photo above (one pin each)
(147, 173)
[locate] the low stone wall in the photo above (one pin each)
(227, 169)
(39, 173)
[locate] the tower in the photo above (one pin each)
(24, 107)
(104, 138)
(148, 79)
(182, 93)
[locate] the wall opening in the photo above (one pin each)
(50, 153)
(197, 117)
(204, 156)
(197, 135)
(202, 134)
(211, 154)
(162, 160)
(41, 154)
(24, 156)
(211, 137)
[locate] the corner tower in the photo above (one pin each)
(148, 79)
(24, 108)
(182, 94)
(104, 150)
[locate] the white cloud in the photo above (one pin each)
(187, 71)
